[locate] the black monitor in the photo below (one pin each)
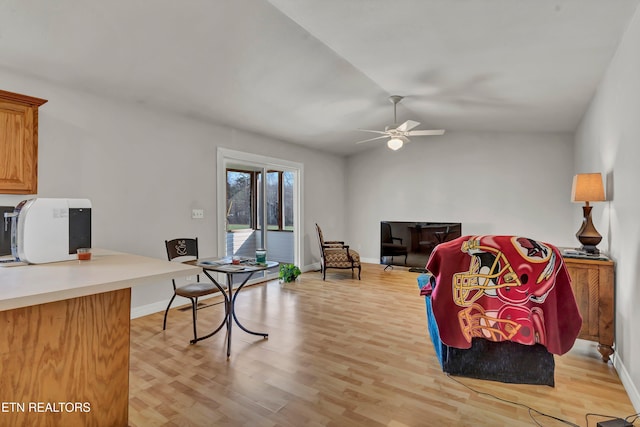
(419, 239)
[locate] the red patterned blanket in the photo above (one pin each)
(503, 288)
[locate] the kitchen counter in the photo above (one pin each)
(65, 338)
(27, 285)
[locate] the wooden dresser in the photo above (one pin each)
(592, 282)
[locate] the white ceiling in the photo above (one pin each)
(314, 71)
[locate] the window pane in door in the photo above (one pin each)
(238, 200)
(273, 200)
(287, 199)
(259, 208)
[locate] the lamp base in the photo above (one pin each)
(588, 235)
(590, 249)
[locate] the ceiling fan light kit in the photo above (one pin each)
(398, 134)
(395, 143)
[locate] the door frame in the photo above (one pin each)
(225, 157)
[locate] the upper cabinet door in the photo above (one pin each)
(19, 143)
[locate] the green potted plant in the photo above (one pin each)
(288, 272)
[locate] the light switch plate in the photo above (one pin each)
(197, 213)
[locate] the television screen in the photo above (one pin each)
(410, 244)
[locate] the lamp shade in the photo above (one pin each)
(587, 187)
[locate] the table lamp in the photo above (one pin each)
(587, 187)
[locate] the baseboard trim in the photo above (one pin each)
(155, 307)
(311, 267)
(625, 378)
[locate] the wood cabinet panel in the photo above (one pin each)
(592, 282)
(67, 362)
(19, 143)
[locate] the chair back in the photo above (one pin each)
(186, 248)
(320, 239)
(385, 233)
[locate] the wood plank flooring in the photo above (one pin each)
(340, 353)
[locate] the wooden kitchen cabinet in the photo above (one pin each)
(19, 143)
(592, 282)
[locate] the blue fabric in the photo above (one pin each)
(433, 331)
(423, 280)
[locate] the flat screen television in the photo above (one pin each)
(417, 239)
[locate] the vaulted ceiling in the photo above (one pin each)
(313, 72)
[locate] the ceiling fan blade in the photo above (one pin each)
(426, 132)
(374, 131)
(372, 139)
(407, 126)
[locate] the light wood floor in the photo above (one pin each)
(340, 353)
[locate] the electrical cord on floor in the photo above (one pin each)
(612, 417)
(531, 410)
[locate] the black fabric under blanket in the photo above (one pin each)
(507, 362)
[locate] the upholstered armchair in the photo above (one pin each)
(335, 254)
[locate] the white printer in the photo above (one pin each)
(49, 230)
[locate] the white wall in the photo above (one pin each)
(493, 183)
(145, 170)
(608, 141)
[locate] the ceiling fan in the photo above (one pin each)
(398, 134)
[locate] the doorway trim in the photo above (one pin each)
(225, 157)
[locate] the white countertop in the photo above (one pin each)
(27, 285)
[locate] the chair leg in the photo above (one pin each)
(359, 271)
(353, 267)
(164, 323)
(194, 307)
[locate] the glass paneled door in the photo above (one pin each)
(261, 213)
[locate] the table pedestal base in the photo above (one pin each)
(230, 312)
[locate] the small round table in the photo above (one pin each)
(225, 265)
